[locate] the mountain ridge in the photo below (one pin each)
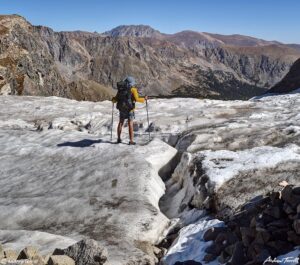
(125, 30)
(187, 63)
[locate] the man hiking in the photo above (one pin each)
(126, 97)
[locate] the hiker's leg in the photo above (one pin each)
(130, 125)
(130, 128)
(120, 126)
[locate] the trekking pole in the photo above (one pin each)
(148, 120)
(112, 121)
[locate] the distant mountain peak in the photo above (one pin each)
(133, 31)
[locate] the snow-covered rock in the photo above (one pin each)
(248, 153)
(190, 244)
(225, 180)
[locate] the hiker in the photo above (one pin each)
(126, 97)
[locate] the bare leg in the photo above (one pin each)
(120, 126)
(130, 128)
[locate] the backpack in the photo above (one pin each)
(125, 102)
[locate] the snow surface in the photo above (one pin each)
(221, 166)
(190, 244)
(75, 184)
(60, 173)
(17, 239)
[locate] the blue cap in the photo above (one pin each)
(130, 80)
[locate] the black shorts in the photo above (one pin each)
(127, 115)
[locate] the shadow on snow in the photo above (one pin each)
(83, 143)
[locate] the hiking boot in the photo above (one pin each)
(119, 141)
(132, 143)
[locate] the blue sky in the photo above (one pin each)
(267, 19)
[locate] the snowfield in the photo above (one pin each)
(60, 174)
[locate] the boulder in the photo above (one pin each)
(46, 258)
(280, 246)
(262, 256)
(215, 249)
(60, 260)
(296, 226)
(238, 256)
(85, 252)
(39, 260)
(254, 250)
(28, 253)
(248, 235)
(10, 254)
(274, 197)
(280, 233)
(274, 212)
(296, 191)
(212, 233)
(259, 230)
(226, 238)
(262, 237)
(288, 209)
(265, 219)
(229, 249)
(281, 223)
(223, 258)
(209, 257)
(294, 238)
(290, 196)
(298, 208)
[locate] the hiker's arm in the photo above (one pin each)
(136, 95)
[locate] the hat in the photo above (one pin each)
(130, 80)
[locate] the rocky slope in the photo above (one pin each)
(28, 66)
(35, 60)
(62, 180)
(290, 82)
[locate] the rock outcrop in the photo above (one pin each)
(290, 82)
(231, 157)
(265, 228)
(29, 67)
(30, 255)
(85, 252)
(35, 60)
(60, 260)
